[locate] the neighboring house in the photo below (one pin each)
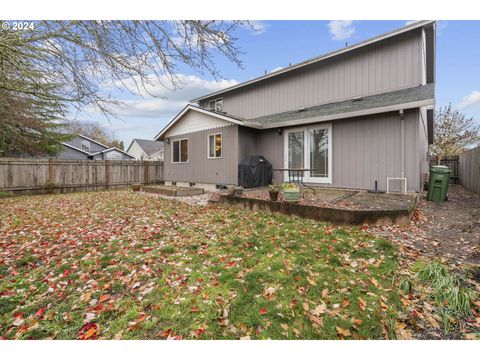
(84, 148)
(357, 115)
(142, 149)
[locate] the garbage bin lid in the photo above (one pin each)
(440, 168)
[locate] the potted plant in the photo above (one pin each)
(273, 191)
(291, 192)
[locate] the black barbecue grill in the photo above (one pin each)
(254, 171)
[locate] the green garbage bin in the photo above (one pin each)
(438, 183)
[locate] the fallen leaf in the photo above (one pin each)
(320, 309)
(263, 311)
(362, 304)
(343, 332)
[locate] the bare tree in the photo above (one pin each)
(65, 64)
(82, 55)
(95, 131)
(454, 133)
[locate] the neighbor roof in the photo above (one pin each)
(150, 147)
(112, 149)
(390, 34)
(423, 95)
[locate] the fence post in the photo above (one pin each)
(145, 173)
(107, 177)
(50, 171)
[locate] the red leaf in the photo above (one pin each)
(198, 332)
(40, 312)
(263, 311)
(88, 331)
(194, 309)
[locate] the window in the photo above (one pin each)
(216, 105)
(310, 148)
(180, 151)
(214, 146)
(114, 155)
(85, 145)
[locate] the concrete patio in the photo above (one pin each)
(334, 205)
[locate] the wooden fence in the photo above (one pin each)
(33, 176)
(453, 163)
(469, 168)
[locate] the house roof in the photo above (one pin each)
(320, 58)
(391, 101)
(112, 149)
(77, 149)
(94, 141)
(149, 147)
(215, 114)
(423, 95)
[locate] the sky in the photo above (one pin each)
(276, 44)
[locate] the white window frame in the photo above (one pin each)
(85, 145)
(180, 152)
(215, 102)
(306, 153)
(208, 146)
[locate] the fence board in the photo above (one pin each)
(453, 163)
(469, 170)
(33, 175)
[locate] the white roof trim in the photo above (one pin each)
(203, 111)
(111, 149)
(378, 110)
(94, 141)
(393, 33)
(75, 148)
(129, 146)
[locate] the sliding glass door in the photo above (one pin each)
(310, 148)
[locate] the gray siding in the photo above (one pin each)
(247, 142)
(364, 149)
(199, 168)
(389, 65)
(369, 148)
(270, 145)
(77, 142)
(71, 154)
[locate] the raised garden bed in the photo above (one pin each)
(398, 215)
(173, 190)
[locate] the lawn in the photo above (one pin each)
(122, 265)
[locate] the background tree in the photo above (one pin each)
(30, 120)
(69, 63)
(453, 133)
(95, 131)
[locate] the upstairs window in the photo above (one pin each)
(214, 146)
(216, 105)
(180, 151)
(85, 145)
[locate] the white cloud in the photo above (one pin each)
(470, 100)
(259, 27)
(341, 29)
(166, 101)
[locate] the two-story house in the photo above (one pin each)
(83, 148)
(358, 115)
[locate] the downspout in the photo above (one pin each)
(402, 144)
